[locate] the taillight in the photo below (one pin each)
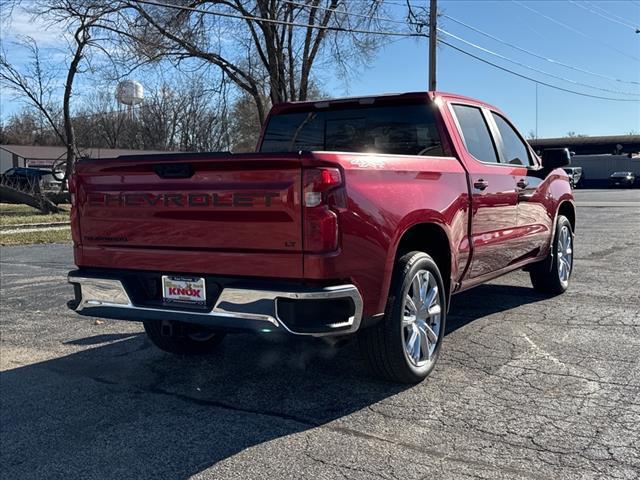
(320, 186)
(317, 182)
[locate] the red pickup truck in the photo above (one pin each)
(354, 216)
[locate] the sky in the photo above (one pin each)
(403, 65)
(587, 35)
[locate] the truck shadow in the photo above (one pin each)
(126, 410)
(488, 299)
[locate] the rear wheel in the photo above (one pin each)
(553, 274)
(404, 347)
(182, 338)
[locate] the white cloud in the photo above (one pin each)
(23, 23)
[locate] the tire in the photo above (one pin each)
(385, 345)
(182, 338)
(554, 273)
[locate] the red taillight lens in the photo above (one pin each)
(320, 222)
(318, 181)
(320, 230)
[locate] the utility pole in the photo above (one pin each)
(433, 33)
(537, 110)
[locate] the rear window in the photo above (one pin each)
(401, 130)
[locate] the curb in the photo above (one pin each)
(24, 226)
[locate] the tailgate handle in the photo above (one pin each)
(174, 170)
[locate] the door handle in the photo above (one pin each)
(522, 184)
(480, 184)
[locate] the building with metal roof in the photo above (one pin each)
(613, 144)
(45, 157)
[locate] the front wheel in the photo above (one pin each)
(405, 345)
(182, 338)
(553, 274)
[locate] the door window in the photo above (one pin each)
(514, 150)
(475, 133)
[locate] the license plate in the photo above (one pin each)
(189, 290)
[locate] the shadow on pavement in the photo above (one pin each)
(127, 410)
(485, 300)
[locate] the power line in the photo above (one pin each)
(528, 67)
(349, 14)
(613, 14)
(542, 57)
(547, 59)
(396, 34)
(488, 51)
(280, 22)
(569, 27)
(399, 4)
(500, 67)
(608, 16)
(622, 19)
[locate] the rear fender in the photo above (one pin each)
(415, 219)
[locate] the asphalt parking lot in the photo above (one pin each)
(527, 387)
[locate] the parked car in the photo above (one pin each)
(358, 216)
(24, 178)
(575, 176)
(622, 179)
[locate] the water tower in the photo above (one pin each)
(130, 93)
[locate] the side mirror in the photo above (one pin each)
(553, 158)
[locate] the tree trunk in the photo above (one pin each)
(81, 37)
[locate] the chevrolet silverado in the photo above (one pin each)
(357, 216)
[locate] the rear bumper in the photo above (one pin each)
(299, 310)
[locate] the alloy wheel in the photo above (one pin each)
(565, 254)
(421, 320)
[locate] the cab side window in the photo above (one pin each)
(475, 133)
(514, 150)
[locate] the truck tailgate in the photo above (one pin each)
(202, 210)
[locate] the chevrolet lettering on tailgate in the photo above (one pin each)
(183, 200)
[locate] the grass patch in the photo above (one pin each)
(11, 214)
(41, 236)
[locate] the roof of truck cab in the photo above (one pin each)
(385, 96)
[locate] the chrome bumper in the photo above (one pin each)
(236, 307)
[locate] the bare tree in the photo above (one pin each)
(28, 127)
(245, 125)
(184, 115)
(100, 121)
(268, 48)
(37, 83)
(573, 134)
